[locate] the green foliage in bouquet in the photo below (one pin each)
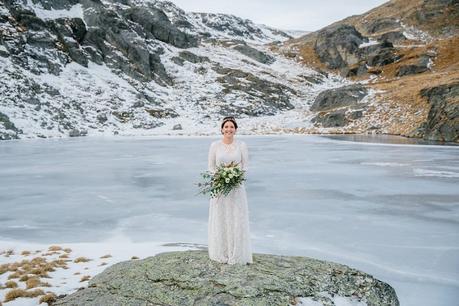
(225, 179)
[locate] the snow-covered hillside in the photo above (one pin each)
(77, 67)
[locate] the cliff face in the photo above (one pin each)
(400, 50)
(190, 278)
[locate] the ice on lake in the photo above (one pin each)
(389, 209)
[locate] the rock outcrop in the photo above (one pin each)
(402, 49)
(338, 46)
(339, 97)
(443, 120)
(190, 278)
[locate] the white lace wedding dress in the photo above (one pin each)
(229, 234)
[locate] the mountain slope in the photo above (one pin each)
(80, 67)
(405, 51)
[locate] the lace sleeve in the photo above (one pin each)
(245, 156)
(212, 163)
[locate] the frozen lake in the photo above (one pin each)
(389, 209)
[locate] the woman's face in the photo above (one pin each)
(228, 129)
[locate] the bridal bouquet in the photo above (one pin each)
(225, 179)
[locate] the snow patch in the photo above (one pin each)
(337, 301)
(75, 11)
(369, 43)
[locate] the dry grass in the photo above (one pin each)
(448, 56)
(76, 273)
(11, 284)
(50, 253)
(37, 266)
(34, 282)
(48, 298)
(103, 263)
(16, 293)
(3, 268)
(81, 259)
(85, 278)
(67, 250)
(54, 248)
(64, 256)
(309, 57)
(15, 275)
(106, 256)
(134, 257)
(25, 253)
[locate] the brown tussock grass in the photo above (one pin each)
(67, 250)
(81, 259)
(16, 293)
(76, 273)
(54, 248)
(134, 257)
(64, 256)
(37, 266)
(25, 253)
(50, 253)
(3, 268)
(103, 263)
(39, 272)
(15, 275)
(34, 282)
(48, 298)
(11, 284)
(106, 256)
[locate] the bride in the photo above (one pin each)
(228, 231)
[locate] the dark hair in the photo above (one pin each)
(230, 118)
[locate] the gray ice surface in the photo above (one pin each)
(387, 208)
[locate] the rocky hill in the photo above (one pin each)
(83, 67)
(146, 67)
(405, 54)
(190, 278)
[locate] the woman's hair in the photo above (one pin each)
(226, 119)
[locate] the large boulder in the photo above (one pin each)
(393, 37)
(338, 46)
(332, 119)
(421, 65)
(339, 97)
(254, 54)
(154, 24)
(443, 119)
(380, 54)
(7, 128)
(190, 278)
(382, 25)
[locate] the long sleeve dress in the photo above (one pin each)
(228, 230)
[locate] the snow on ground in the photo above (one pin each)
(369, 43)
(77, 271)
(337, 300)
(76, 11)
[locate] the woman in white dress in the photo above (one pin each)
(229, 234)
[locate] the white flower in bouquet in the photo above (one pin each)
(225, 179)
